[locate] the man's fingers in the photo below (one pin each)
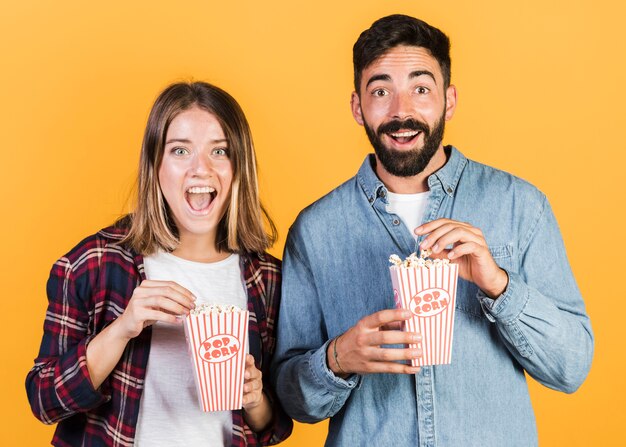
(384, 317)
(390, 367)
(393, 338)
(466, 249)
(452, 237)
(433, 225)
(394, 354)
(449, 234)
(393, 326)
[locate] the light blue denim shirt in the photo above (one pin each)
(336, 271)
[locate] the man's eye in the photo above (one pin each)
(379, 92)
(180, 151)
(421, 90)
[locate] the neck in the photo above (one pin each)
(413, 184)
(199, 249)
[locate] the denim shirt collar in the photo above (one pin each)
(445, 178)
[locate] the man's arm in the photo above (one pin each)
(311, 382)
(540, 313)
(306, 387)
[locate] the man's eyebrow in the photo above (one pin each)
(380, 77)
(418, 73)
(413, 74)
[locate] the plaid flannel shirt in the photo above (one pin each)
(87, 290)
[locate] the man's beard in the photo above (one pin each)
(410, 162)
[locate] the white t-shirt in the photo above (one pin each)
(409, 207)
(169, 411)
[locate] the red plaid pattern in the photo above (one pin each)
(88, 289)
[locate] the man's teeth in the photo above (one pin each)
(409, 133)
(200, 190)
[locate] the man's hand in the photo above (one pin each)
(359, 349)
(469, 251)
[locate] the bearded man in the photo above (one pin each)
(341, 353)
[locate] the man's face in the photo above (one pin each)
(403, 107)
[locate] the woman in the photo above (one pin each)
(113, 367)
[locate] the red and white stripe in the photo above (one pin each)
(437, 330)
(220, 384)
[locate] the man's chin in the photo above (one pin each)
(404, 163)
(398, 166)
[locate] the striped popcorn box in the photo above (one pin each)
(429, 292)
(217, 340)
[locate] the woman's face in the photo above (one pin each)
(196, 173)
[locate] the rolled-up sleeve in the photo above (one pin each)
(58, 385)
(307, 388)
(541, 315)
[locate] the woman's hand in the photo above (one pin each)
(154, 301)
(256, 406)
(151, 301)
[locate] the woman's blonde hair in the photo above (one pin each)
(241, 229)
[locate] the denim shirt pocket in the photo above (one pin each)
(466, 299)
(503, 255)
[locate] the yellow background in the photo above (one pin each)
(541, 95)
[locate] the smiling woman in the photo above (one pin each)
(204, 129)
(113, 367)
(195, 177)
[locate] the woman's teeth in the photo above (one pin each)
(200, 197)
(200, 190)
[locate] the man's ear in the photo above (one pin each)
(450, 102)
(355, 104)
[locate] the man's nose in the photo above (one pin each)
(401, 107)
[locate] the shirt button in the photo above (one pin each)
(449, 190)
(396, 222)
(371, 199)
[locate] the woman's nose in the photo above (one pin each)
(201, 164)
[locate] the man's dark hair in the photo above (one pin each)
(395, 30)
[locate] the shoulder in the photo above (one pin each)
(330, 206)
(94, 261)
(263, 275)
(503, 205)
(493, 181)
(262, 261)
(97, 248)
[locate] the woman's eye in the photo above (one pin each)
(221, 152)
(180, 151)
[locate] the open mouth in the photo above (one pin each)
(404, 137)
(200, 198)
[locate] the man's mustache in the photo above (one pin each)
(409, 124)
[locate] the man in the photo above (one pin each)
(340, 354)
